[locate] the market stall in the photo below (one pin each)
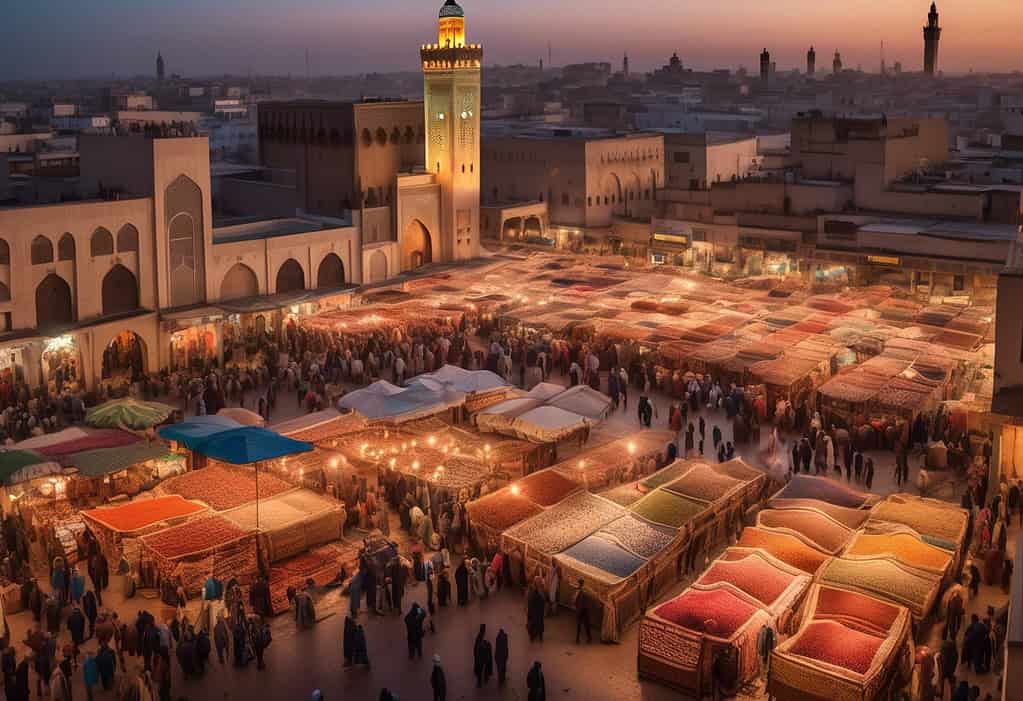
(196, 550)
(904, 546)
(618, 461)
(887, 579)
(117, 528)
(850, 518)
(850, 647)
(290, 523)
(940, 523)
(826, 489)
(385, 403)
(721, 614)
(785, 547)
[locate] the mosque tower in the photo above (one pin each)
(932, 35)
(811, 61)
(159, 66)
(451, 99)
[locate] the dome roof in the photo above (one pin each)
(451, 9)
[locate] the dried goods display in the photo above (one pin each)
(320, 564)
(502, 509)
(668, 474)
(821, 530)
(833, 643)
(904, 547)
(716, 612)
(851, 518)
(887, 579)
(547, 487)
(143, 513)
(847, 649)
(668, 508)
(225, 488)
(606, 555)
(565, 524)
(754, 575)
(704, 483)
(785, 547)
(192, 538)
(825, 489)
(624, 494)
(625, 458)
(940, 522)
(638, 536)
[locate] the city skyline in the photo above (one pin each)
(240, 37)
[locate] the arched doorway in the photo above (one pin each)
(416, 246)
(53, 302)
(377, 267)
(183, 211)
(614, 198)
(512, 229)
(124, 358)
(240, 281)
(532, 228)
(331, 272)
(120, 291)
(66, 248)
(290, 276)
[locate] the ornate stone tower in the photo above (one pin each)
(451, 97)
(159, 66)
(932, 35)
(836, 63)
(765, 66)
(811, 61)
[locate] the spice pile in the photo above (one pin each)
(224, 488)
(638, 536)
(137, 515)
(668, 508)
(785, 547)
(547, 487)
(752, 575)
(717, 612)
(601, 553)
(835, 644)
(193, 537)
(704, 484)
(828, 535)
(904, 547)
(566, 524)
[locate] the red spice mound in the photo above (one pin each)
(719, 613)
(849, 605)
(785, 547)
(502, 510)
(193, 537)
(547, 488)
(835, 644)
(146, 512)
(225, 489)
(752, 575)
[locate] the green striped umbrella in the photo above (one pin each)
(128, 413)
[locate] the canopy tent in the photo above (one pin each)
(128, 413)
(320, 425)
(383, 401)
(500, 417)
(242, 416)
(104, 461)
(192, 432)
(548, 424)
(248, 444)
(18, 466)
(68, 434)
(584, 401)
(93, 439)
(452, 377)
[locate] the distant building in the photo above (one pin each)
(159, 66)
(811, 61)
(932, 36)
(765, 66)
(836, 64)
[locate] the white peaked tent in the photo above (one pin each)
(383, 401)
(452, 377)
(547, 413)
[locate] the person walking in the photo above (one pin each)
(535, 683)
(221, 637)
(483, 658)
(501, 656)
(535, 606)
(414, 630)
(437, 681)
(582, 613)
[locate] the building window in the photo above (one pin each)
(564, 198)
(589, 201)
(681, 156)
(958, 283)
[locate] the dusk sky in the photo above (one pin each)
(73, 39)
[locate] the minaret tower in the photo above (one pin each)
(765, 66)
(451, 99)
(811, 61)
(625, 65)
(159, 66)
(932, 35)
(836, 63)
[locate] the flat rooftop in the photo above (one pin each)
(967, 230)
(272, 228)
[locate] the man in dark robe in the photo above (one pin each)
(462, 583)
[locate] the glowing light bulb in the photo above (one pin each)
(515, 489)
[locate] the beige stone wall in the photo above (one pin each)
(1009, 333)
(419, 200)
(20, 226)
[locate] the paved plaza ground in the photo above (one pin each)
(300, 661)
